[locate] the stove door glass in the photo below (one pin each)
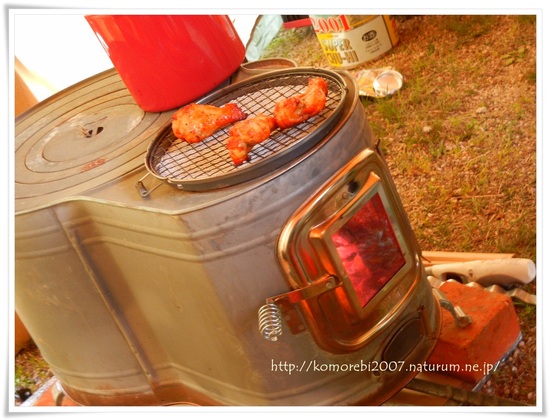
(369, 249)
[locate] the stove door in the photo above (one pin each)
(351, 259)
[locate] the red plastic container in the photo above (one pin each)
(168, 61)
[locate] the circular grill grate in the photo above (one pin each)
(207, 164)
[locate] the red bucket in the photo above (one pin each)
(168, 61)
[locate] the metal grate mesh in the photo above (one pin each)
(179, 161)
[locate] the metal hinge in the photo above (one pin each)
(277, 308)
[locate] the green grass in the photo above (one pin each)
(31, 371)
(447, 130)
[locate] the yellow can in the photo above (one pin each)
(351, 40)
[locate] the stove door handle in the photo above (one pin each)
(271, 314)
(314, 289)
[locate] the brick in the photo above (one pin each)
(474, 349)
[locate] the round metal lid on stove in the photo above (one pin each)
(84, 136)
(207, 165)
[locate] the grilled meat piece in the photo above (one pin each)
(195, 122)
(298, 108)
(244, 135)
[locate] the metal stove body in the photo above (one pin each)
(167, 295)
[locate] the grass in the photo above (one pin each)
(461, 132)
(31, 370)
(450, 122)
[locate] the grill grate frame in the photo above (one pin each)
(207, 164)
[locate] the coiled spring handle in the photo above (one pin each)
(270, 321)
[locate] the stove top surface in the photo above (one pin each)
(87, 135)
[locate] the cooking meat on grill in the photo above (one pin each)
(195, 122)
(298, 108)
(244, 135)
